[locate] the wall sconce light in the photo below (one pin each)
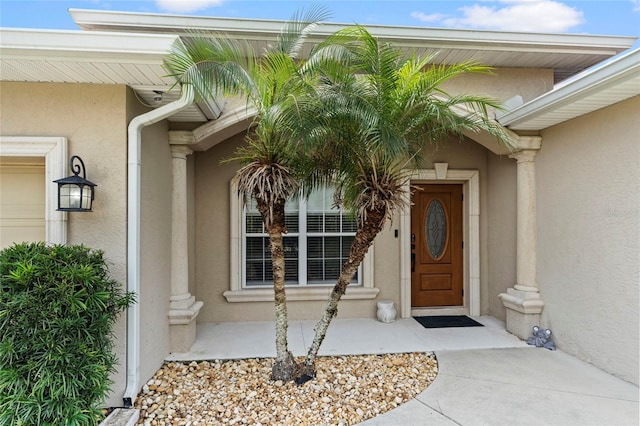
(75, 193)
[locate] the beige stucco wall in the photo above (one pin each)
(93, 118)
(501, 231)
(504, 83)
(588, 185)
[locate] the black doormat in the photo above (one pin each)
(443, 321)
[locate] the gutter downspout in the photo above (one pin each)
(133, 233)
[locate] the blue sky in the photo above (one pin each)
(603, 17)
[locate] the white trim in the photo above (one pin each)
(116, 46)
(299, 294)
(54, 151)
(471, 232)
(267, 30)
(238, 294)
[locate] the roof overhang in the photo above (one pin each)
(591, 90)
(84, 57)
(132, 59)
(566, 54)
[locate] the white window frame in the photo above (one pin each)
(303, 235)
(54, 151)
(237, 293)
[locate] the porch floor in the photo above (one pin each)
(486, 375)
(345, 337)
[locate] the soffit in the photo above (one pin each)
(136, 60)
(590, 91)
(566, 54)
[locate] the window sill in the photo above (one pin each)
(297, 294)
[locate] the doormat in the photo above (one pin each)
(444, 321)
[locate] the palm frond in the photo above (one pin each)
(214, 65)
(293, 34)
(374, 115)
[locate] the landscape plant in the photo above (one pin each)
(58, 306)
(270, 82)
(372, 116)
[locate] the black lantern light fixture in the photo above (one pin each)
(75, 193)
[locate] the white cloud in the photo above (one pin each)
(433, 17)
(186, 5)
(636, 5)
(516, 15)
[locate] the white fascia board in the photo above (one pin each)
(39, 44)
(590, 81)
(268, 29)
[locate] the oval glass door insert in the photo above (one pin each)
(436, 229)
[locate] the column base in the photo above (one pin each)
(523, 311)
(182, 327)
(181, 302)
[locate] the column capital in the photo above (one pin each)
(180, 151)
(181, 137)
(527, 142)
(524, 156)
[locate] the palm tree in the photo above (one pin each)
(370, 119)
(271, 82)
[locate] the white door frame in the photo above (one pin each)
(470, 180)
(54, 151)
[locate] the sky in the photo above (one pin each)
(601, 17)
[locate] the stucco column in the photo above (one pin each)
(526, 221)
(523, 301)
(183, 307)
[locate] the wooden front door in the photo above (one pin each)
(436, 246)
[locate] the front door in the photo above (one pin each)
(436, 246)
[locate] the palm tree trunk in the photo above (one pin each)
(363, 239)
(284, 367)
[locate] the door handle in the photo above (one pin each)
(413, 262)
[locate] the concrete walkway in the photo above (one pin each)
(517, 386)
(239, 340)
(486, 375)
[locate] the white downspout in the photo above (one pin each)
(133, 233)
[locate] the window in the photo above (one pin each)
(324, 242)
(317, 243)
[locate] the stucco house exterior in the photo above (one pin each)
(549, 232)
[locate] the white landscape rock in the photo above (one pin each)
(347, 390)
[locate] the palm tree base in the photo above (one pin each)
(284, 369)
(306, 373)
(303, 379)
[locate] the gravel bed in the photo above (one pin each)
(346, 390)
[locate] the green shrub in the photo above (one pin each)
(57, 309)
